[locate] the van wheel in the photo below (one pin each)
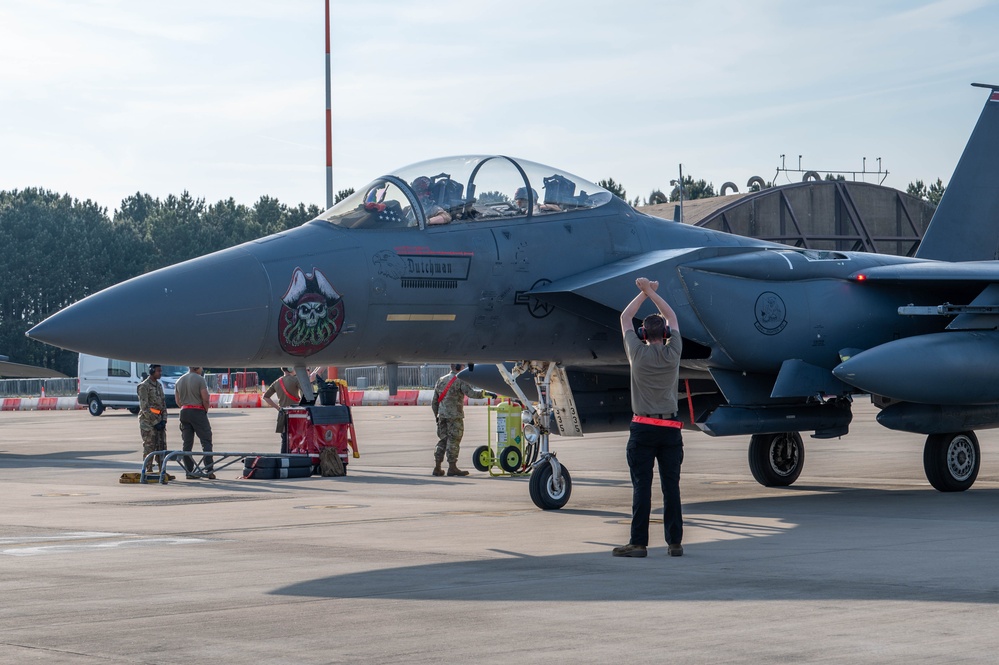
(134, 410)
(95, 406)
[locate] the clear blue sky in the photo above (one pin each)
(101, 99)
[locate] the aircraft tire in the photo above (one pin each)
(543, 494)
(481, 459)
(776, 460)
(511, 459)
(951, 461)
(95, 406)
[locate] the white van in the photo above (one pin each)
(110, 383)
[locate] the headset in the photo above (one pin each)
(666, 331)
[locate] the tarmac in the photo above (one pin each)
(860, 561)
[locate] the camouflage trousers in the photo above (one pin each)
(152, 440)
(449, 433)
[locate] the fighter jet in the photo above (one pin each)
(492, 260)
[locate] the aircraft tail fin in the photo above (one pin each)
(965, 226)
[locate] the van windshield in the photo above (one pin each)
(174, 370)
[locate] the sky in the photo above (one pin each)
(101, 99)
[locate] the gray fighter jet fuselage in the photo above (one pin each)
(463, 259)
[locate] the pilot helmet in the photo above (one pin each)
(422, 186)
(521, 193)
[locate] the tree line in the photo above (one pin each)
(55, 250)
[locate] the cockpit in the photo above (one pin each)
(465, 190)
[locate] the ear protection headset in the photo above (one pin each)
(666, 332)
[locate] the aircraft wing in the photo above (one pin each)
(600, 294)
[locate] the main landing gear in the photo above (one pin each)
(776, 460)
(550, 484)
(951, 460)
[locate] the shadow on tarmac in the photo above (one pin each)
(838, 544)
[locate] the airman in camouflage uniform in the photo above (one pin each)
(449, 408)
(152, 415)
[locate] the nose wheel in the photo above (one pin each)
(550, 485)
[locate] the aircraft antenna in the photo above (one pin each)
(329, 118)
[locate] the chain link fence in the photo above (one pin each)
(410, 376)
(358, 378)
(33, 387)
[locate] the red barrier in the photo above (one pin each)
(47, 403)
(404, 398)
(245, 400)
(356, 397)
(213, 400)
(10, 404)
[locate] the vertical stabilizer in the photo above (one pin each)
(965, 226)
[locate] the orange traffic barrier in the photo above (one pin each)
(404, 398)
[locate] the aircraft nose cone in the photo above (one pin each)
(211, 311)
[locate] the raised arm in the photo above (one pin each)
(649, 289)
(628, 315)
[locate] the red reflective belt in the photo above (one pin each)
(290, 396)
(441, 398)
(645, 420)
(193, 406)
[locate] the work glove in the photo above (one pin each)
(160, 426)
(490, 395)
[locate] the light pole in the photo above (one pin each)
(329, 118)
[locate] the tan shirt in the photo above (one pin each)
(291, 385)
(188, 390)
(655, 371)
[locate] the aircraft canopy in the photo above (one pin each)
(465, 189)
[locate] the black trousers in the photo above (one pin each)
(195, 421)
(647, 445)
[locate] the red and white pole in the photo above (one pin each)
(329, 118)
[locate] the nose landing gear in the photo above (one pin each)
(550, 485)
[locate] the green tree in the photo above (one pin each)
(56, 250)
(693, 189)
(614, 188)
(493, 197)
(936, 192)
(933, 193)
(917, 189)
(342, 194)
